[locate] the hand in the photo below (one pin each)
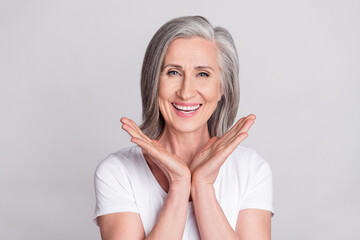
(206, 164)
(174, 169)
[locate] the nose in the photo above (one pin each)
(186, 89)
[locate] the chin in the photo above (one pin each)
(188, 127)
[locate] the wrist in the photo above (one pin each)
(198, 180)
(180, 188)
(180, 179)
(201, 188)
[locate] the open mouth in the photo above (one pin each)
(186, 109)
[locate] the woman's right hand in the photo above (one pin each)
(176, 171)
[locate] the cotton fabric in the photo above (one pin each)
(125, 183)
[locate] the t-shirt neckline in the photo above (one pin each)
(149, 172)
(152, 177)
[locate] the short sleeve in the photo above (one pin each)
(259, 192)
(113, 190)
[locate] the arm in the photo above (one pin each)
(252, 224)
(171, 220)
(211, 219)
(122, 225)
(172, 217)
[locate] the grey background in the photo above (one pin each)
(70, 69)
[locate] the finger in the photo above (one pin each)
(128, 126)
(247, 125)
(233, 132)
(136, 127)
(146, 146)
(129, 129)
(228, 149)
(127, 122)
(163, 160)
(244, 129)
(238, 125)
(124, 120)
(229, 134)
(203, 152)
(210, 142)
(251, 116)
(130, 123)
(243, 125)
(240, 122)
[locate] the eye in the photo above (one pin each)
(203, 74)
(172, 73)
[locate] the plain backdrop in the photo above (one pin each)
(70, 69)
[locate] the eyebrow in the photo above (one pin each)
(179, 66)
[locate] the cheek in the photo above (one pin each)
(164, 94)
(165, 90)
(161, 90)
(212, 93)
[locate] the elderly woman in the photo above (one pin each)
(186, 177)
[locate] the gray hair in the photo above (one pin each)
(187, 27)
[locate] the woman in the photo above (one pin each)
(186, 178)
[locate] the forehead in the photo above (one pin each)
(195, 50)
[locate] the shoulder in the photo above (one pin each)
(121, 161)
(246, 155)
(246, 159)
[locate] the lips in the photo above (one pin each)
(186, 109)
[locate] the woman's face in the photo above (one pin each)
(189, 87)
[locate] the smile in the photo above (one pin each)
(187, 110)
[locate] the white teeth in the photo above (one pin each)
(186, 108)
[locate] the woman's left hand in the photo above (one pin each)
(206, 164)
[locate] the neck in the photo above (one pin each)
(184, 145)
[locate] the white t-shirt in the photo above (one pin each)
(125, 183)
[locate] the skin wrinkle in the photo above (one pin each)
(195, 53)
(184, 160)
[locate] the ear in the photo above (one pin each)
(221, 93)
